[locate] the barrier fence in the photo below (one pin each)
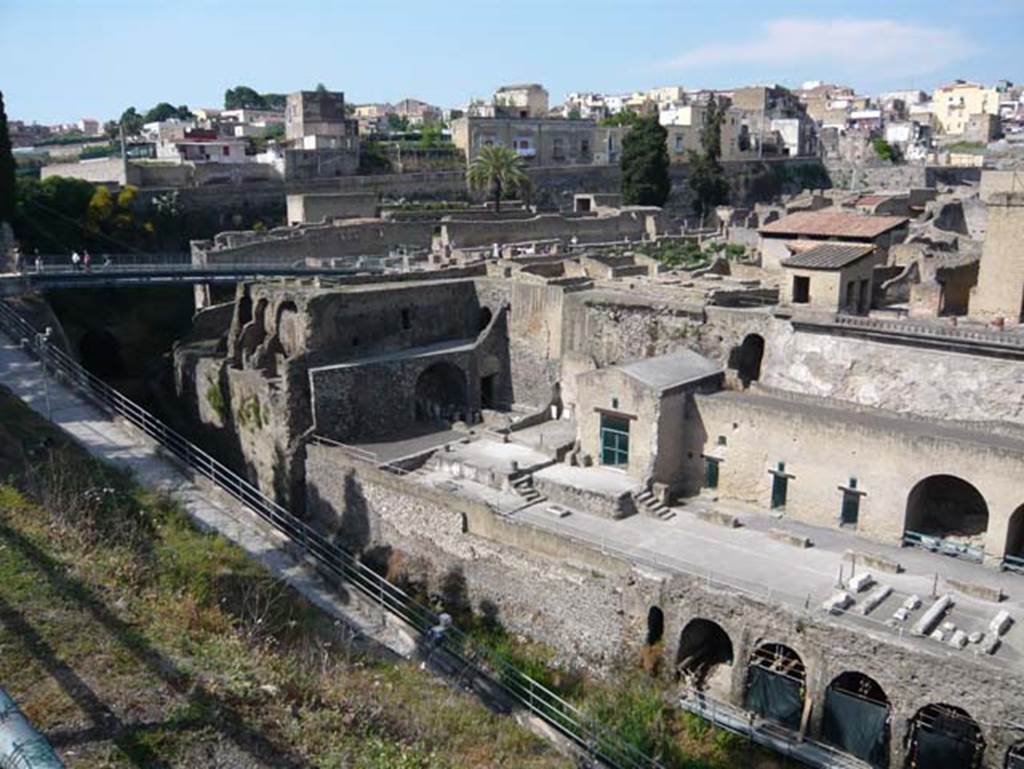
(596, 740)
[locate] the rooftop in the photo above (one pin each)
(829, 256)
(672, 370)
(830, 223)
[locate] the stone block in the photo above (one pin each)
(861, 582)
(838, 603)
(722, 519)
(984, 592)
(912, 603)
(938, 635)
(875, 599)
(901, 615)
(976, 637)
(877, 562)
(958, 640)
(931, 618)
(781, 535)
(990, 645)
(1000, 623)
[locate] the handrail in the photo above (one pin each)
(593, 738)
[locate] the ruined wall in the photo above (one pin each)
(590, 229)
(929, 382)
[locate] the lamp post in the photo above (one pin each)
(42, 340)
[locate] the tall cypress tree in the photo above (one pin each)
(707, 178)
(644, 164)
(7, 188)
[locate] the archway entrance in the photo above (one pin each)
(1014, 557)
(441, 393)
(101, 353)
(749, 356)
(944, 737)
(655, 625)
(948, 508)
(776, 680)
(704, 658)
(856, 718)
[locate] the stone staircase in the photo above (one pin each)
(647, 503)
(523, 486)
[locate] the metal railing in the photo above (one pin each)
(748, 725)
(945, 546)
(593, 738)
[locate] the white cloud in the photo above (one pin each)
(872, 47)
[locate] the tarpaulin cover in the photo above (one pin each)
(943, 750)
(775, 697)
(857, 726)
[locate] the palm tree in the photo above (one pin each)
(497, 169)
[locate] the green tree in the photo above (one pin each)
(884, 150)
(644, 164)
(707, 178)
(499, 170)
(626, 117)
(159, 113)
(430, 135)
(397, 123)
(132, 122)
(574, 113)
(242, 97)
(8, 190)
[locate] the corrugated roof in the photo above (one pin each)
(829, 256)
(828, 223)
(667, 371)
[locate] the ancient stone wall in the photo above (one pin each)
(901, 377)
(593, 609)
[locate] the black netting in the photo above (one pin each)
(857, 726)
(775, 697)
(945, 748)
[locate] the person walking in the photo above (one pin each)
(39, 261)
(86, 259)
(17, 259)
(107, 261)
(76, 261)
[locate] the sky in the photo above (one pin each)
(61, 60)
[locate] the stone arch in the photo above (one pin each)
(286, 328)
(946, 506)
(100, 352)
(1015, 756)
(655, 625)
(747, 358)
(776, 685)
(944, 737)
(857, 718)
(1015, 534)
(440, 393)
(705, 655)
(484, 318)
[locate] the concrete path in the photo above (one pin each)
(120, 444)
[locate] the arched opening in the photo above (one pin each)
(947, 507)
(1015, 757)
(441, 394)
(1015, 536)
(484, 318)
(857, 718)
(287, 328)
(748, 363)
(655, 625)
(944, 737)
(776, 685)
(704, 654)
(101, 353)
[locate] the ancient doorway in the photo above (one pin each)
(944, 737)
(780, 486)
(440, 394)
(704, 657)
(857, 718)
(776, 685)
(751, 354)
(1014, 555)
(655, 625)
(484, 318)
(614, 441)
(487, 391)
(948, 508)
